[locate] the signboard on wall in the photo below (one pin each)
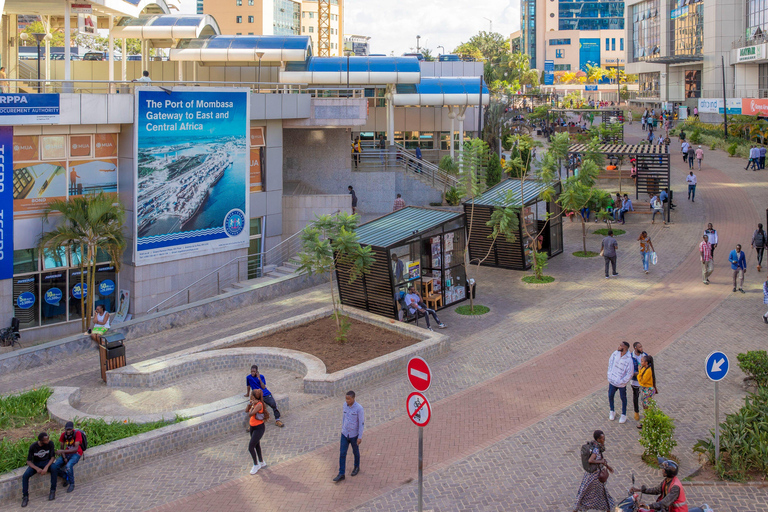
(753, 107)
(715, 106)
(589, 53)
(29, 109)
(549, 72)
(750, 53)
(192, 160)
(6, 202)
(590, 87)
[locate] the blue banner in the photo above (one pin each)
(589, 53)
(29, 108)
(590, 87)
(6, 202)
(549, 72)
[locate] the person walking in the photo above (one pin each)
(738, 266)
(354, 199)
(758, 244)
(357, 150)
(753, 156)
(646, 249)
(592, 493)
(699, 156)
(684, 150)
(691, 155)
(608, 251)
(712, 235)
(637, 359)
(646, 376)
(399, 203)
(620, 369)
(691, 180)
(761, 157)
(352, 425)
(257, 415)
(707, 265)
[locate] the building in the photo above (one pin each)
(516, 41)
(254, 17)
(309, 25)
(357, 45)
(573, 34)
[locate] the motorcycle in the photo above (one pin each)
(633, 503)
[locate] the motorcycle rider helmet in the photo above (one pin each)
(670, 467)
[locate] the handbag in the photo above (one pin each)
(653, 257)
(603, 475)
(602, 251)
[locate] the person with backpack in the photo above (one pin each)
(758, 243)
(257, 415)
(592, 493)
(72, 444)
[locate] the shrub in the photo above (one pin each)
(25, 408)
(755, 364)
(452, 197)
(493, 171)
(696, 136)
(713, 146)
(540, 262)
(657, 434)
(743, 440)
(732, 148)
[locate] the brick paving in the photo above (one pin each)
(492, 429)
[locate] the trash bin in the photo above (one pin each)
(111, 353)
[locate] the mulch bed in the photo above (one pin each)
(364, 342)
(32, 430)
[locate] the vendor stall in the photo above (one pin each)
(420, 247)
(533, 216)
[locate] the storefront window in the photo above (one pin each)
(54, 301)
(25, 260)
(693, 84)
(649, 85)
(74, 292)
(254, 248)
(106, 287)
(26, 300)
(55, 258)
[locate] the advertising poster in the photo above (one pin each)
(106, 145)
(192, 172)
(29, 109)
(26, 148)
(121, 310)
(92, 176)
(256, 160)
(54, 147)
(79, 146)
(35, 185)
(6, 202)
(754, 107)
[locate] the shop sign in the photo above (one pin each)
(25, 300)
(6, 202)
(750, 53)
(590, 87)
(752, 106)
(106, 287)
(81, 9)
(29, 109)
(53, 296)
(76, 291)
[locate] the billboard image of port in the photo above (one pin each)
(192, 172)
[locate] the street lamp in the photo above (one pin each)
(443, 47)
(490, 22)
(39, 38)
(418, 50)
(347, 53)
(259, 55)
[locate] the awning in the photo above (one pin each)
(367, 70)
(55, 8)
(623, 149)
(439, 91)
(508, 193)
(273, 49)
(676, 59)
(402, 225)
(167, 27)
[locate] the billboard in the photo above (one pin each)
(29, 108)
(6, 202)
(750, 53)
(715, 106)
(753, 107)
(192, 170)
(589, 53)
(549, 72)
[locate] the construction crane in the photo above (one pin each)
(324, 28)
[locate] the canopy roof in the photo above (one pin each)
(167, 26)
(624, 149)
(402, 225)
(55, 8)
(368, 70)
(273, 49)
(507, 193)
(438, 91)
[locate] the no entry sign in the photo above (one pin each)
(419, 374)
(418, 409)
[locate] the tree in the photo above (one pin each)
(595, 73)
(449, 166)
(492, 46)
(568, 77)
(493, 173)
(468, 52)
(520, 155)
(427, 54)
(90, 224)
(326, 243)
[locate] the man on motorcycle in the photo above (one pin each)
(670, 491)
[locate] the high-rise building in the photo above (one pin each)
(254, 17)
(573, 34)
(357, 45)
(310, 26)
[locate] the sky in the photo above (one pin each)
(394, 24)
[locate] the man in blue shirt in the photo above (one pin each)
(739, 266)
(257, 381)
(352, 425)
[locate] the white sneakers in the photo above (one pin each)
(612, 416)
(623, 418)
(262, 464)
(255, 469)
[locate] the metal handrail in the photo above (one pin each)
(422, 166)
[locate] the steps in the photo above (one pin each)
(269, 273)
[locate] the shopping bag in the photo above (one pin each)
(653, 257)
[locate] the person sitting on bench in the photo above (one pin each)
(417, 307)
(100, 323)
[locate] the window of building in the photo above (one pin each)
(648, 85)
(559, 42)
(613, 44)
(590, 15)
(621, 44)
(303, 29)
(250, 33)
(693, 83)
(254, 248)
(646, 30)
(607, 46)
(250, 19)
(239, 19)
(311, 15)
(562, 67)
(250, 2)
(238, 2)
(311, 30)
(762, 83)
(304, 14)
(687, 29)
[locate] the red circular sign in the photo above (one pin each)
(419, 374)
(418, 409)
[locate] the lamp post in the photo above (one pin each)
(490, 22)
(443, 47)
(259, 55)
(418, 48)
(39, 38)
(347, 53)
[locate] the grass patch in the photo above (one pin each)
(543, 280)
(604, 232)
(588, 254)
(23, 416)
(478, 310)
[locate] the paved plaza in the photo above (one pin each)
(520, 391)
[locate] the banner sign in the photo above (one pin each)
(680, 12)
(6, 202)
(590, 87)
(750, 53)
(29, 108)
(753, 107)
(192, 172)
(549, 72)
(715, 106)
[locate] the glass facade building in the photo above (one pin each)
(757, 17)
(687, 27)
(287, 18)
(592, 15)
(528, 28)
(646, 30)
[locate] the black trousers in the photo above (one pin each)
(270, 401)
(610, 260)
(635, 398)
(254, 446)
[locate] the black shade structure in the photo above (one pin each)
(518, 255)
(420, 247)
(608, 116)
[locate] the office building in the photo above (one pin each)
(357, 45)
(310, 27)
(573, 34)
(254, 17)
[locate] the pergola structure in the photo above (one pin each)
(606, 117)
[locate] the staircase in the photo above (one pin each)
(268, 273)
(398, 158)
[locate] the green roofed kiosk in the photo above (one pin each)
(517, 255)
(420, 247)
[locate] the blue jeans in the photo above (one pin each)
(30, 473)
(691, 191)
(646, 260)
(622, 394)
(345, 442)
(68, 465)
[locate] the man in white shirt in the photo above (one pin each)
(620, 370)
(417, 307)
(144, 77)
(684, 149)
(691, 180)
(753, 155)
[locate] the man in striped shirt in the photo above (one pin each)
(399, 203)
(706, 259)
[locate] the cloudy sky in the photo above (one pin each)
(394, 24)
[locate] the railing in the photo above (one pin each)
(742, 43)
(374, 159)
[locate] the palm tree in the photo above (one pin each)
(594, 73)
(90, 224)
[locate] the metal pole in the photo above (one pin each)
(38, 66)
(725, 110)
(421, 467)
(717, 426)
(480, 111)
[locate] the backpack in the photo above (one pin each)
(586, 453)
(759, 238)
(84, 444)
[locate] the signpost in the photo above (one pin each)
(716, 367)
(418, 409)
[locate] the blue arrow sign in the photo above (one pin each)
(716, 366)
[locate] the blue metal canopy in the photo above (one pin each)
(274, 49)
(437, 91)
(366, 70)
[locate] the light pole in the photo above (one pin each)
(347, 53)
(490, 22)
(259, 55)
(443, 47)
(418, 48)
(39, 38)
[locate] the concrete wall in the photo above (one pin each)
(425, 119)
(299, 210)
